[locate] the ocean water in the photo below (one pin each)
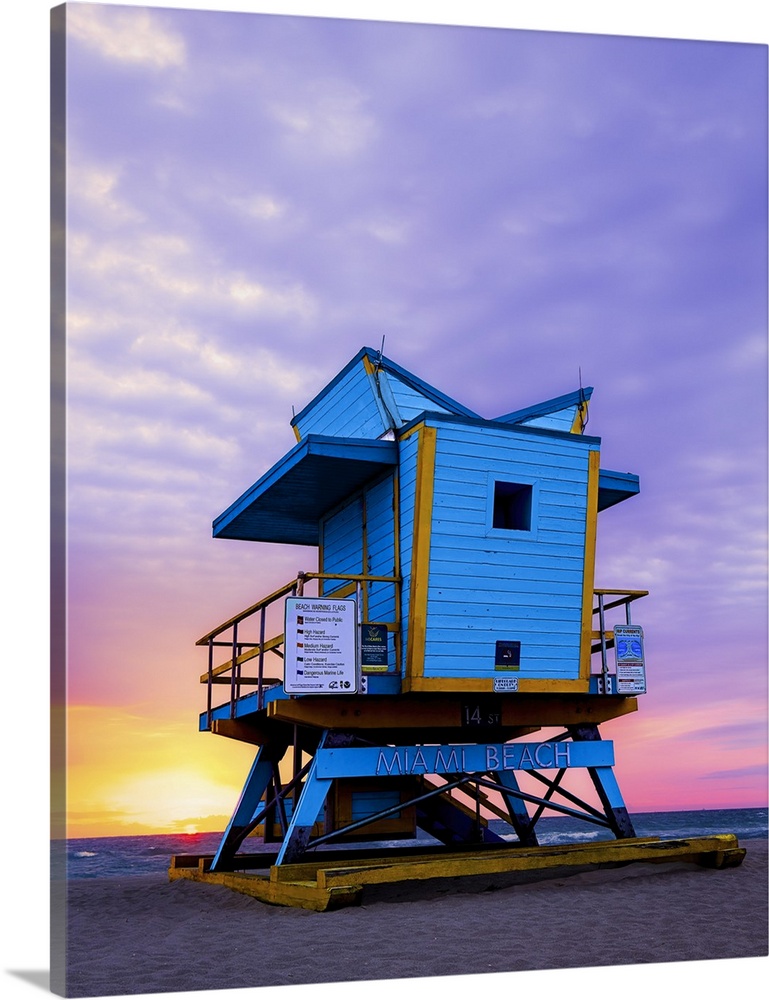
(110, 857)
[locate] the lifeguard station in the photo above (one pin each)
(396, 691)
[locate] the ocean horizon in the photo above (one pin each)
(145, 854)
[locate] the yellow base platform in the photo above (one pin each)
(325, 883)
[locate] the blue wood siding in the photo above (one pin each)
(347, 409)
(380, 550)
(409, 401)
(561, 420)
(365, 804)
(342, 541)
(488, 584)
(343, 548)
(380, 544)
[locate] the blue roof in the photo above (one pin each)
(286, 504)
(323, 470)
(406, 377)
(548, 406)
(613, 487)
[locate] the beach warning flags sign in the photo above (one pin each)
(321, 648)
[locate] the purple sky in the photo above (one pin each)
(252, 199)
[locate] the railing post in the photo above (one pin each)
(602, 627)
(295, 589)
(209, 692)
(358, 633)
(260, 673)
(232, 674)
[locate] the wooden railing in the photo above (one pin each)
(603, 638)
(241, 652)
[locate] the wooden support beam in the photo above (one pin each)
(445, 711)
(236, 729)
(698, 849)
(326, 883)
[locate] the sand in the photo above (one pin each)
(149, 935)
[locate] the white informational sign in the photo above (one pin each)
(321, 646)
(502, 684)
(629, 653)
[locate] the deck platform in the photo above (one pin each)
(330, 880)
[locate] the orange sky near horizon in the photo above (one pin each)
(129, 773)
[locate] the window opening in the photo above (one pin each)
(512, 506)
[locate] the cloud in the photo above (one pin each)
(258, 206)
(327, 117)
(163, 271)
(732, 774)
(748, 732)
(135, 37)
(95, 187)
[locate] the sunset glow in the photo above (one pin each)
(515, 212)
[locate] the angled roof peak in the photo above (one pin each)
(416, 384)
(567, 412)
(371, 396)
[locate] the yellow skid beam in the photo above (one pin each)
(322, 884)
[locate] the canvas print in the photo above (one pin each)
(409, 503)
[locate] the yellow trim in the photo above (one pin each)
(297, 435)
(368, 365)
(412, 430)
(397, 571)
(364, 586)
(341, 592)
(356, 577)
(588, 573)
(420, 556)
(625, 593)
(580, 418)
(530, 685)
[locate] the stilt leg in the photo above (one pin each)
(250, 799)
(607, 788)
(304, 816)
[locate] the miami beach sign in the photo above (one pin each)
(351, 762)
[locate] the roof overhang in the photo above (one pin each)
(614, 487)
(287, 503)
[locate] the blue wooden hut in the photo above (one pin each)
(453, 614)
